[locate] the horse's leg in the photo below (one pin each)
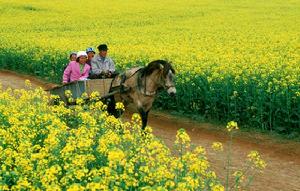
(144, 116)
(111, 106)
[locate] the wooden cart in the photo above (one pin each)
(77, 88)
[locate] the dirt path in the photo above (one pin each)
(282, 157)
(16, 81)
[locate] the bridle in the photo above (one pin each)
(152, 93)
(140, 87)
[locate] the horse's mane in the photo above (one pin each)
(156, 65)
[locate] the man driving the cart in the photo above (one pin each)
(102, 65)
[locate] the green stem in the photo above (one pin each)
(228, 163)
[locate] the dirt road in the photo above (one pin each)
(282, 157)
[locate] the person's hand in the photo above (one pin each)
(83, 78)
(94, 76)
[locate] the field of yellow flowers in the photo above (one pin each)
(53, 147)
(236, 60)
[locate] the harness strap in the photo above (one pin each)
(144, 91)
(123, 79)
(140, 87)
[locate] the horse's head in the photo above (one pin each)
(165, 75)
(167, 78)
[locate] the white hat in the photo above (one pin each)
(81, 53)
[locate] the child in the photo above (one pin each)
(73, 56)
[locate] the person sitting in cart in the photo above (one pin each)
(102, 65)
(73, 56)
(90, 53)
(77, 70)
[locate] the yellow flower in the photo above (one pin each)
(255, 158)
(79, 101)
(68, 93)
(115, 156)
(218, 188)
(200, 150)
(4, 187)
(239, 176)
(217, 146)
(84, 95)
(28, 84)
(148, 130)
(75, 187)
(93, 186)
(57, 147)
(136, 119)
(23, 184)
(70, 100)
(182, 138)
(54, 97)
(79, 174)
(120, 106)
(95, 96)
(232, 125)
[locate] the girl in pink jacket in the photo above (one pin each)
(77, 70)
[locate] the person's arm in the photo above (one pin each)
(95, 67)
(67, 74)
(111, 66)
(86, 71)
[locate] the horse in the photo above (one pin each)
(140, 85)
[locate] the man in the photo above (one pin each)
(90, 53)
(102, 65)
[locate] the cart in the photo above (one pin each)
(77, 88)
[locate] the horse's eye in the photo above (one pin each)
(172, 77)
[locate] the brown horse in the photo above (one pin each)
(140, 85)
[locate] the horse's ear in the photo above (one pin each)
(161, 66)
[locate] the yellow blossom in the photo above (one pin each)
(68, 93)
(255, 158)
(217, 146)
(182, 138)
(231, 126)
(120, 106)
(218, 188)
(115, 156)
(28, 83)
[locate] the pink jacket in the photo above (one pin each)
(72, 72)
